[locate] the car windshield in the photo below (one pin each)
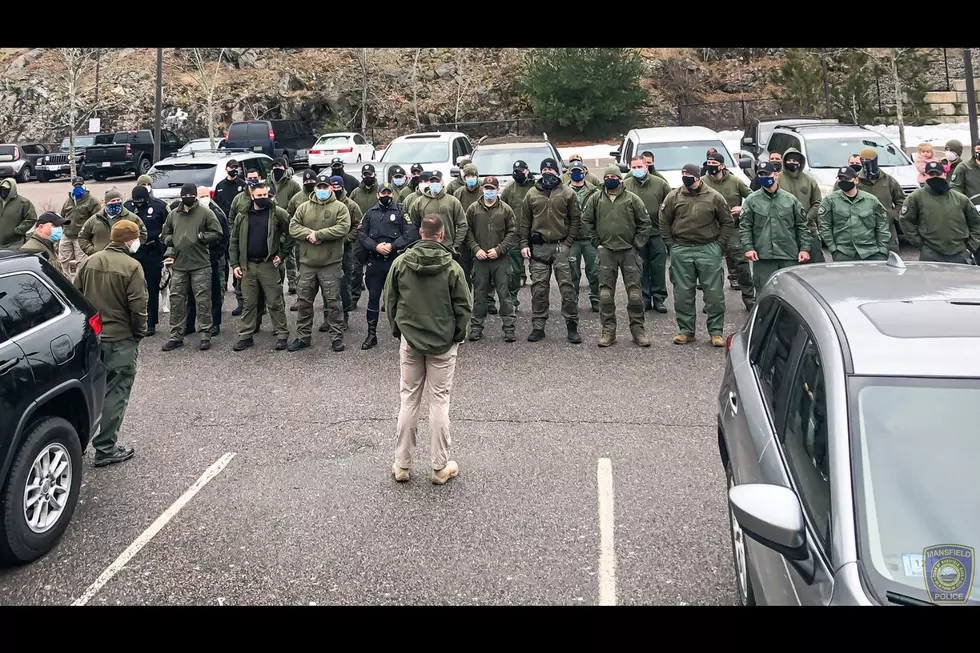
(674, 156)
(80, 141)
(174, 176)
(333, 140)
(417, 152)
(500, 162)
(916, 455)
(833, 152)
(200, 146)
(7, 150)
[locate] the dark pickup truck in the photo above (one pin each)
(56, 164)
(131, 152)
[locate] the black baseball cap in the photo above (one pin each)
(337, 162)
(309, 175)
(77, 181)
(367, 168)
(520, 165)
(49, 217)
(847, 172)
(717, 157)
(417, 167)
(386, 188)
(934, 167)
(323, 179)
(425, 176)
(692, 169)
(436, 174)
(397, 171)
(765, 168)
(232, 163)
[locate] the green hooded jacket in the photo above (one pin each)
(330, 221)
(297, 199)
(856, 227)
(556, 216)
(584, 192)
(803, 187)
(78, 212)
(286, 189)
(514, 193)
(652, 191)
(355, 215)
(945, 222)
(491, 227)
(188, 236)
(17, 217)
(278, 240)
(590, 178)
(453, 216)
(114, 283)
(365, 197)
(966, 179)
(44, 248)
(886, 189)
(94, 236)
(773, 225)
(427, 298)
(458, 188)
(733, 189)
(617, 221)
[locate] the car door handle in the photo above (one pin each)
(733, 402)
(8, 365)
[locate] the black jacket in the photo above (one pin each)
(350, 183)
(386, 225)
(225, 192)
(153, 215)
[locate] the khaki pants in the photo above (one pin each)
(68, 250)
(419, 371)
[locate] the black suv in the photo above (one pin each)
(290, 139)
(52, 387)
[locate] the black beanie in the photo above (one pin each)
(550, 164)
(140, 193)
(188, 189)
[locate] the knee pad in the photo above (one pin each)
(635, 295)
(605, 295)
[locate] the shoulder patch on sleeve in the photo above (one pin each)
(953, 178)
(822, 209)
(905, 208)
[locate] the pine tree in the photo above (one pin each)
(800, 79)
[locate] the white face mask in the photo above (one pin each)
(133, 246)
(950, 156)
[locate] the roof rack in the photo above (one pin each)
(232, 149)
(544, 135)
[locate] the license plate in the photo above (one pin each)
(106, 164)
(256, 148)
(52, 168)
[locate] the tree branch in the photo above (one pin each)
(415, 86)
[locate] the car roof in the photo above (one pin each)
(514, 139)
(906, 318)
(824, 130)
(211, 157)
(429, 136)
(787, 118)
(337, 134)
(513, 145)
(670, 134)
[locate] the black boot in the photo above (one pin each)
(372, 334)
(238, 309)
(573, 336)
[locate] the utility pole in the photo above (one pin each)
(159, 106)
(826, 83)
(971, 95)
(98, 62)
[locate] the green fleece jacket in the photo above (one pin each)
(491, 227)
(278, 241)
(188, 235)
(804, 188)
(616, 221)
(556, 215)
(453, 216)
(77, 212)
(95, 233)
(330, 221)
(652, 191)
(17, 216)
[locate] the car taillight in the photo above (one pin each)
(728, 342)
(129, 150)
(227, 135)
(315, 151)
(272, 134)
(96, 323)
(212, 193)
(345, 150)
(16, 153)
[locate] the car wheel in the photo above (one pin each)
(43, 177)
(25, 175)
(41, 492)
(743, 583)
(144, 166)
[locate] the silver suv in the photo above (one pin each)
(494, 157)
(202, 169)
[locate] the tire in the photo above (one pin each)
(19, 543)
(100, 176)
(43, 177)
(143, 166)
(25, 174)
(746, 595)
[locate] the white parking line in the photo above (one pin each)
(154, 528)
(607, 524)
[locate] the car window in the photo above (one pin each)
(467, 145)
(264, 165)
(327, 141)
(761, 326)
(417, 151)
(677, 154)
(775, 360)
(627, 154)
(833, 152)
(175, 176)
(499, 162)
(358, 140)
(777, 143)
(805, 443)
(457, 149)
(26, 302)
(793, 142)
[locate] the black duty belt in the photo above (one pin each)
(256, 260)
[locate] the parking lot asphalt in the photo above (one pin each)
(305, 511)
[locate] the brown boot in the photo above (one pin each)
(401, 475)
(640, 337)
(682, 339)
(607, 339)
(446, 474)
(717, 341)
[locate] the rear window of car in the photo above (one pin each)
(249, 131)
(333, 140)
(175, 176)
(132, 137)
(8, 150)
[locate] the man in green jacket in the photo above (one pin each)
(583, 247)
(257, 248)
(696, 224)
(618, 225)
(872, 179)
(113, 282)
(424, 179)
(734, 190)
(94, 235)
(966, 176)
(285, 188)
(435, 199)
(942, 222)
(188, 233)
(772, 227)
(429, 308)
(575, 162)
(491, 232)
(794, 180)
(513, 196)
(320, 227)
(651, 168)
(44, 241)
(549, 222)
(79, 207)
(467, 193)
(17, 216)
(652, 189)
(853, 223)
(458, 182)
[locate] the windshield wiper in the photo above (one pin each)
(902, 599)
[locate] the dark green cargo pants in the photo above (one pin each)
(292, 268)
(762, 270)
(262, 279)
(517, 270)
(326, 280)
(739, 269)
(120, 362)
(489, 276)
(584, 249)
(688, 264)
(927, 253)
(611, 264)
(182, 284)
(545, 259)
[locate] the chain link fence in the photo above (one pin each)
(727, 115)
(491, 128)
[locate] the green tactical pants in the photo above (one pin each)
(738, 267)
(688, 264)
(223, 267)
(182, 283)
(326, 280)
(585, 249)
(516, 275)
(292, 268)
(610, 264)
(120, 361)
(763, 269)
(545, 259)
(654, 271)
(840, 257)
(262, 278)
(489, 276)
(816, 249)
(893, 241)
(927, 253)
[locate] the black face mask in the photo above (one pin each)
(519, 177)
(188, 201)
(856, 167)
(369, 181)
(651, 168)
(792, 166)
(232, 173)
(385, 200)
(846, 186)
(976, 155)
(308, 188)
(413, 183)
(777, 165)
(713, 170)
(938, 184)
(688, 181)
(277, 173)
(871, 168)
(338, 172)
(140, 203)
(262, 203)
(549, 180)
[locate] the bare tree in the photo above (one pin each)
(415, 86)
(899, 113)
(460, 61)
(78, 61)
(207, 80)
(362, 59)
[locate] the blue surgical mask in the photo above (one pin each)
(56, 233)
(611, 184)
(322, 194)
(577, 175)
(113, 209)
(77, 192)
(489, 194)
(767, 182)
(639, 173)
(399, 181)
(470, 182)
(435, 188)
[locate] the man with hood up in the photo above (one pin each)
(95, 233)
(17, 216)
(429, 309)
(44, 241)
(887, 190)
(285, 188)
(79, 207)
(796, 182)
(435, 199)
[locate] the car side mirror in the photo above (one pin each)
(623, 168)
(454, 172)
(747, 140)
(771, 515)
(614, 154)
(744, 161)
